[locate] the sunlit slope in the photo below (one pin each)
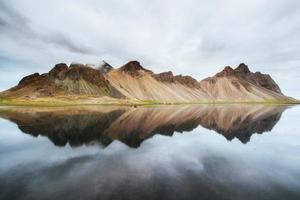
(145, 87)
(234, 89)
(242, 85)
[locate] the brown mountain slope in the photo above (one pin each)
(136, 82)
(241, 84)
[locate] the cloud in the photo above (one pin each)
(192, 37)
(17, 26)
(62, 40)
(11, 22)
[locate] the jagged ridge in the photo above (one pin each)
(133, 81)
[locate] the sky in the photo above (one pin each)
(191, 37)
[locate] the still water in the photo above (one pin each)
(164, 152)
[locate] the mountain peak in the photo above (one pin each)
(133, 68)
(104, 67)
(242, 72)
(76, 64)
(58, 71)
(243, 69)
(227, 71)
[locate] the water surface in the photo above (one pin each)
(163, 152)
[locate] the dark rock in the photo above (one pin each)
(29, 79)
(86, 73)
(58, 71)
(242, 69)
(76, 65)
(39, 85)
(187, 81)
(168, 77)
(265, 81)
(133, 68)
(165, 77)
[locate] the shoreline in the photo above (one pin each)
(79, 101)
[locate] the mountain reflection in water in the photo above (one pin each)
(200, 164)
(104, 124)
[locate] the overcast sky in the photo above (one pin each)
(194, 37)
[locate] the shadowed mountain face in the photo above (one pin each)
(88, 125)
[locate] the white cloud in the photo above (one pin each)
(191, 37)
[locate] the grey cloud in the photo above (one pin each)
(14, 24)
(62, 40)
(190, 37)
(3, 23)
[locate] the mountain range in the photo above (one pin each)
(132, 83)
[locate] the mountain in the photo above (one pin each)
(78, 79)
(240, 84)
(134, 83)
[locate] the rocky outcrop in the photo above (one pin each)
(59, 71)
(188, 81)
(75, 64)
(134, 68)
(32, 86)
(168, 77)
(243, 70)
(265, 81)
(30, 79)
